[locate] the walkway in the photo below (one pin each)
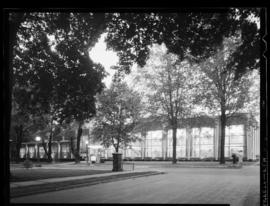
(238, 187)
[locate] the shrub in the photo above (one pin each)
(27, 164)
(182, 159)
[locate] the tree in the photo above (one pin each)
(119, 110)
(48, 129)
(198, 32)
(77, 95)
(170, 84)
(53, 67)
(221, 91)
(20, 128)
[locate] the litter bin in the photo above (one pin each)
(117, 162)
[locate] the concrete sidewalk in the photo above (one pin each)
(237, 187)
(139, 167)
(80, 166)
(64, 179)
(55, 184)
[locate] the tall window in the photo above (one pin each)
(234, 140)
(154, 144)
(203, 142)
(207, 142)
(135, 150)
(180, 143)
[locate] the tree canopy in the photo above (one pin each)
(200, 33)
(52, 63)
(119, 111)
(223, 93)
(53, 74)
(171, 88)
(52, 71)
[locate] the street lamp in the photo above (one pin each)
(86, 143)
(38, 138)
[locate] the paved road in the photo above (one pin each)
(179, 185)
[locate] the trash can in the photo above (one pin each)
(117, 162)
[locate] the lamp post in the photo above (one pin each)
(86, 143)
(38, 140)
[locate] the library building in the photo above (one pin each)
(198, 138)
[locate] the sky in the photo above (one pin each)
(107, 58)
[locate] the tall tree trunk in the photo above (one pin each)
(72, 146)
(15, 20)
(19, 137)
(222, 137)
(50, 148)
(117, 144)
(79, 134)
(44, 145)
(174, 130)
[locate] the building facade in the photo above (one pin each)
(197, 138)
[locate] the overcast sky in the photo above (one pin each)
(107, 58)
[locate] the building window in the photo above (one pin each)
(234, 139)
(180, 143)
(203, 142)
(153, 144)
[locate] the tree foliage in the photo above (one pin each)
(119, 110)
(21, 126)
(220, 88)
(198, 32)
(222, 92)
(53, 74)
(52, 71)
(171, 88)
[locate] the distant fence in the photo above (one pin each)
(128, 166)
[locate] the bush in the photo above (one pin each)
(208, 159)
(195, 159)
(27, 164)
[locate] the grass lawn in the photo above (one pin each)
(20, 175)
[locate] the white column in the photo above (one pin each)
(26, 151)
(188, 142)
(164, 143)
(36, 150)
(200, 141)
(217, 140)
(59, 150)
(246, 137)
